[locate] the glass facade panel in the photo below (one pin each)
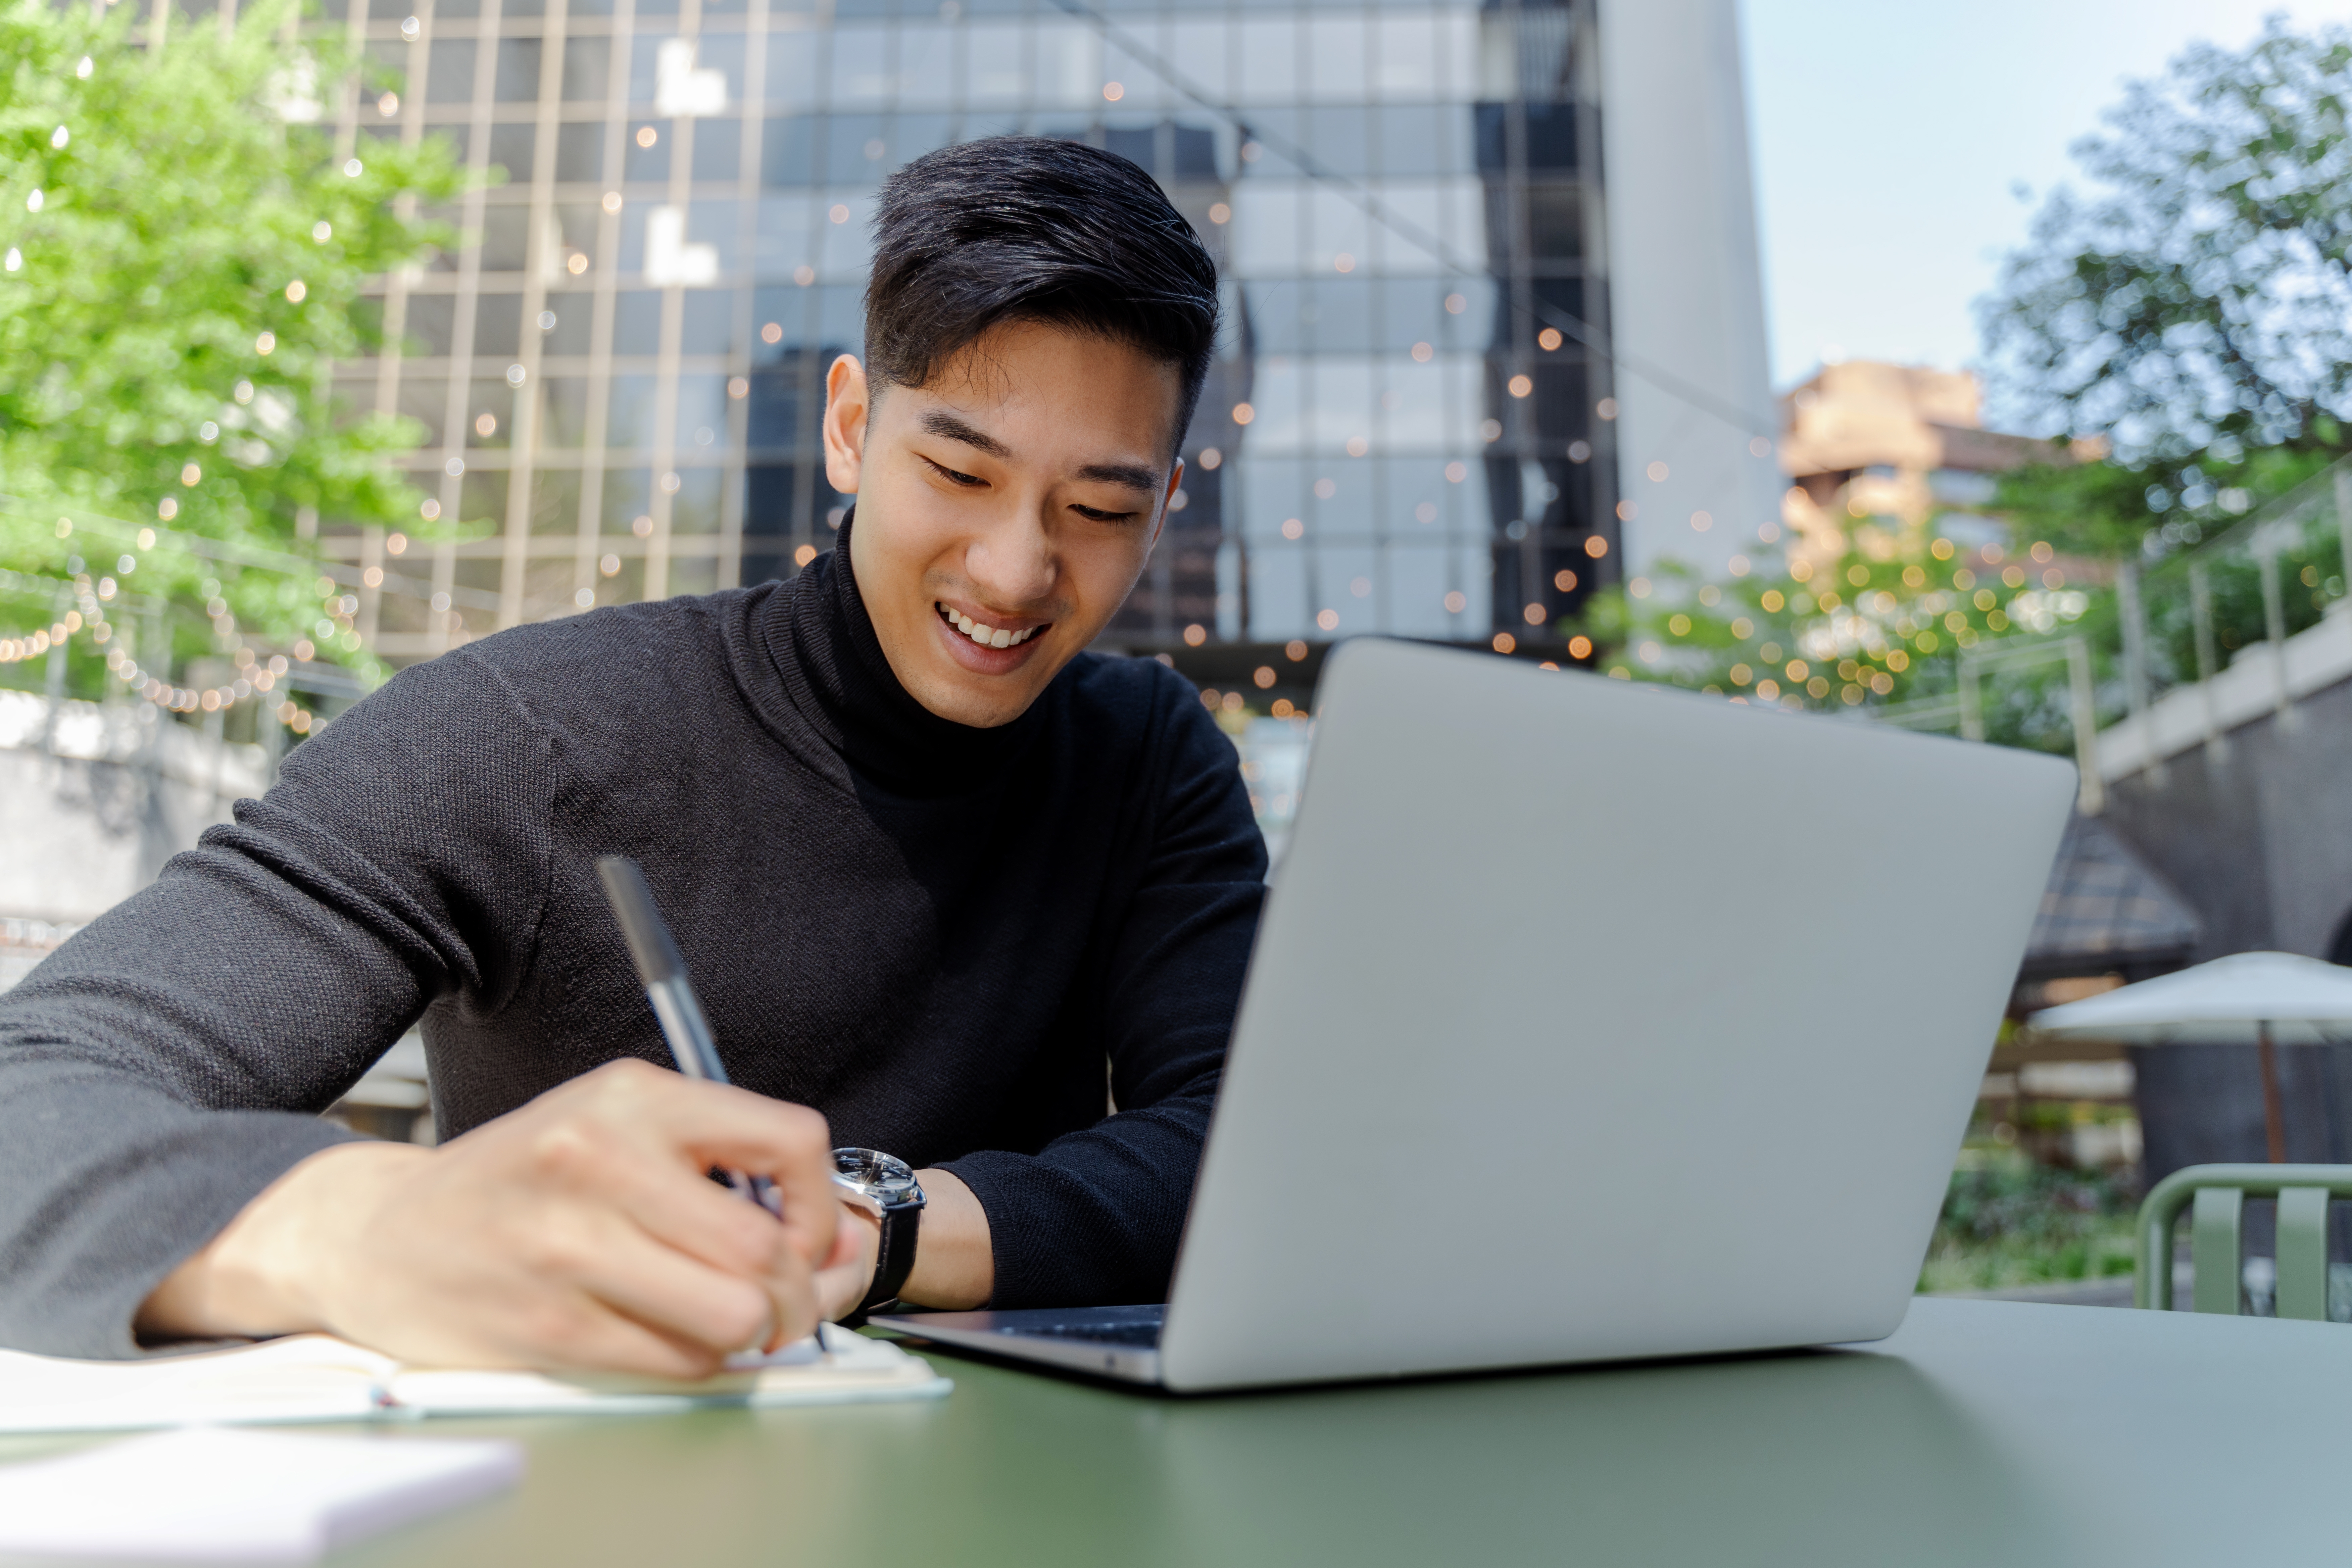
(621, 368)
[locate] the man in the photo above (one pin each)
(931, 864)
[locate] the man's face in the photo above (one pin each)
(1004, 511)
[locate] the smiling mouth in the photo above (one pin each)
(983, 634)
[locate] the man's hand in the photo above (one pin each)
(579, 1232)
(848, 1274)
(954, 1270)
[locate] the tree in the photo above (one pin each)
(2196, 315)
(184, 252)
(2197, 310)
(1885, 623)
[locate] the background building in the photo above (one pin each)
(1413, 422)
(1865, 439)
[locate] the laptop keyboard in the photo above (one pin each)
(1146, 1335)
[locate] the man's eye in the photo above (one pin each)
(969, 481)
(1098, 515)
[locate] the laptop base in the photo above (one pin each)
(1119, 1342)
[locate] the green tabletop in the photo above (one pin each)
(1983, 1432)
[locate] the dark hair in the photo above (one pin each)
(1032, 228)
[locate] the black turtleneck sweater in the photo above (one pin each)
(951, 941)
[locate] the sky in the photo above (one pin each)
(1888, 136)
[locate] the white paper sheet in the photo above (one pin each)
(311, 1377)
(217, 1495)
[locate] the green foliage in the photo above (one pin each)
(2105, 511)
(185, 255)
(2200, 308)
(1884, 624)
(2008, 1221)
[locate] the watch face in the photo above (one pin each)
(884, 1177)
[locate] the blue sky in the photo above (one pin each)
(1887, 135)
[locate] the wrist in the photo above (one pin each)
(276, 1267)
(954, 1269)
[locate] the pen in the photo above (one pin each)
(663, 970)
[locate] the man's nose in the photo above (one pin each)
(1011, 564)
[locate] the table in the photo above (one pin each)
(1983, 1432)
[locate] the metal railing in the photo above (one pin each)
(2176, 617)
(2170, 622)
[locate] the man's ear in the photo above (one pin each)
(1159, 523)
(847, 403)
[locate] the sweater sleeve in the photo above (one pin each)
(1094, 1218)
(170, 1061)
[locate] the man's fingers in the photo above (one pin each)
(681, 1297)
(705, 1221)
(598, 1337)
(848, 1272)
(717, 1124)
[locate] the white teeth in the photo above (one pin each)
(983, 634)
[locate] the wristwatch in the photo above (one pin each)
(884, 1186)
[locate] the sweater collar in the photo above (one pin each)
(834, 670)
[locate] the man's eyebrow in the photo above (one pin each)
(939, 422)
(1134, 475)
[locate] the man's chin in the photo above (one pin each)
(980, 702)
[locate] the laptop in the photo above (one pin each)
(1587, 1022)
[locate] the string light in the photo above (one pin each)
(257, 675)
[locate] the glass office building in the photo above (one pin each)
(622, 368)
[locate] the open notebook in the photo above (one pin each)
(313, 1377)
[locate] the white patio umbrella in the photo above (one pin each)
(2248, 999)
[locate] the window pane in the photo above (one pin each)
(629, 424)
(701, 413)
(1199, 50)
(1269, 61)
(432, 318)
(587, 67)
(1336, 71)
(719, 150)
(787, 150)
(505, 238)
(482, 496)
(996, 73)
(723, 53)
(636, 321)
(856, 149)
(792, 68)
(1406, 62)
(580, 153)
(628, 495)
(425, 397)
(860, 72)
(706, 323)
(574, 314)
(564, 403)
(643, 164)
(848, 246)
(715, 223)
(511, 148)
(517, 70)
(1069, 67)
(489, 407)
(555, 502)
(498, 323)
(449, 78)
(784, 239)
(695, 507)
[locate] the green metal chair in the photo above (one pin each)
(2216, 1196)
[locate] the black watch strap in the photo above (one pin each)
(895, 1259)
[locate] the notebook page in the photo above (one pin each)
(214, 1495)
(304, 1377)
(851, 1369)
